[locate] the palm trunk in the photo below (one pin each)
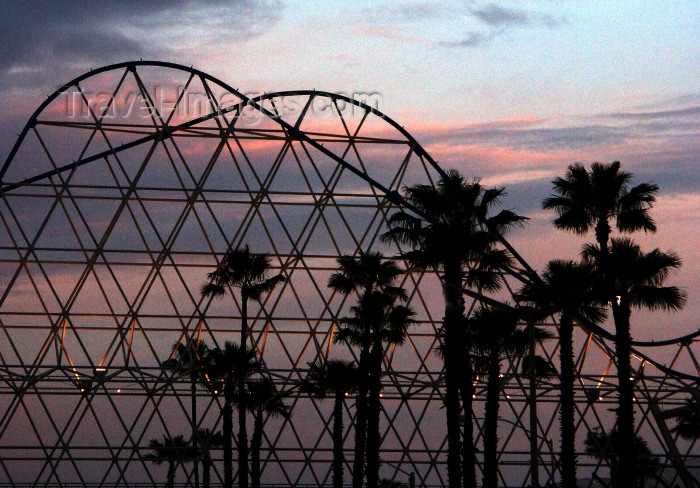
(358, 467)
(206, 469)
(373, 411)
(467, 393)
(242, 429)
(568, 432)
(227, 412)
(193, 393)
(625, 411)
(493, 390)
(170, 482)
(532, 405)
(255, 445)
(338, 458)
(454, 319)
(242, 438)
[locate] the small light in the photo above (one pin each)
(100, 371)
(600, 398)
(500, 375)
(473, 396)
(381, 395)
(347, 394)
(119, 390)
(618, 299)
(216, 392)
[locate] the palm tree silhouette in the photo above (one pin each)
(609, 447)
(568, 288)
(190, 359)
(228, 369)
(457, 236)
(249, 272)
(366, 274)
(378, 315)
(632, 278)
(495, 336)
(688, 426)
(338, 378)
(173, 451)
(263, 398)
(204, 440)
(589, 199)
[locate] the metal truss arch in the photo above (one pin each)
(110, 218)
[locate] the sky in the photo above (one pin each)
(511, 92)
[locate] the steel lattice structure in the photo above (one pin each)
(126, 187)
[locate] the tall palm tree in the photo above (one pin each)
(173, 451)
(386, 322)
(457, 235)
(632, 278)
(365, 274)
(567, 288)
(590, 199)
(228, 369)
(204, 440)
(263, 399)
(190, 359)
(336, 378)
(249, 272)
(496, 336)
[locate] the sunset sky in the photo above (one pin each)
(512, 92)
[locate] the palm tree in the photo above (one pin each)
(338, 378)
(688, 426)
(589, 199)
(378, 316)
(171, 450)
(190, 359)
(609, 448)
(263, 399)
(567, 288)
(457, 235)
(495, 336)
(365, 274)
(632, 278)
(248, 271)
(228, 369)
(204, 440)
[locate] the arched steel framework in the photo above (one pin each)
(126, 187)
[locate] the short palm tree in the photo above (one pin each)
(457, 235)
(336, 378)
(204, 441)
(632, 278)
(264, 399)
(249, 272)
(567, 288)
(496, 336)
(365, 274)
(228, 368)
(190, 359)
(688, 426)
(173, 451)
(609, 447)
(387, 323)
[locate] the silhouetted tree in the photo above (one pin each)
(173, 451)
(336, 378)
(190, 359)
(609, 447)
(590, 199)
(264, 399)
(568, 288)
(228, 369)
(204, 440)
(365, 274)
(249, 272)
(457, 235)
(632, 278)
(496, 336)
(688, 426)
